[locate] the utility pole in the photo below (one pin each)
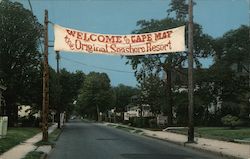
(249, 39)
(45, 80)
(190, 74)
(58, 90)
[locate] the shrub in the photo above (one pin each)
(153, 123)
(231, 121)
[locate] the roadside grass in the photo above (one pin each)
(219, 133)
(33, 155)
(138, 131)
(16, 136)
(128, 129)
(125, 128)
(53, 137)
(111, 125)
(224, 133)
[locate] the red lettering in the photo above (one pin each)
(79, 35)
(70, 32)
(101, 38)
(163, 35)
(92, 37)
(141, 38)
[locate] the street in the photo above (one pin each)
(82, 140)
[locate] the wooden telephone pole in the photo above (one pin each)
(59, 91)
(45, 80)
(190, 74)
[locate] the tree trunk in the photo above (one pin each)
(141, 116)
(98, 113)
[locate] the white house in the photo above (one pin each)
(135, 111)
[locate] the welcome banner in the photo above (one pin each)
(70, 40)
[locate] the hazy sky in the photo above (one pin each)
(120, 17)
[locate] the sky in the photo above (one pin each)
(120, 17)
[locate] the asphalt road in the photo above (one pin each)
(92, 141)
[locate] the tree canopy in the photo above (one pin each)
(95, 95)
(171, 63)
(20, 68)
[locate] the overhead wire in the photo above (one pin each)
(74, 61)
(98, 67)
(39, 40)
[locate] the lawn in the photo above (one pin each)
(16, 136)
(220, 133)
(33, 155)
(224, 133)
(53, 137)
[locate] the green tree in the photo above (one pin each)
(20, 68)
(95, 95)
(179, 7)
(171, 63)
(70, 84)
(153, 93)
(230, 72)
(54, 89)
(123, 96)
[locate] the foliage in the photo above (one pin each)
(179, 7)
(95, 95)
(231, 121)
(123, 96)
(20, 68)
(70, 88)
(54, 89)
(181, 107)
(224, 87)
(145, 122)
(219, 133)
(228, 78)
(169, 64)
(153, 93)
(29, 121)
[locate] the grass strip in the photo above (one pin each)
(218, 133)
(53, 137)
(16, 136)
(125, 128)
(33, 155)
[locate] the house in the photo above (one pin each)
(26, 111)
(137, 111)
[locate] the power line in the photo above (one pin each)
(98, 67)
(39, 40)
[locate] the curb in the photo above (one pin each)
(221, 154)
(45, 155)
(52, 147)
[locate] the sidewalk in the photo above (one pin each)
(21, 150)
(223, 148)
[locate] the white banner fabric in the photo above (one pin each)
(70, 40)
